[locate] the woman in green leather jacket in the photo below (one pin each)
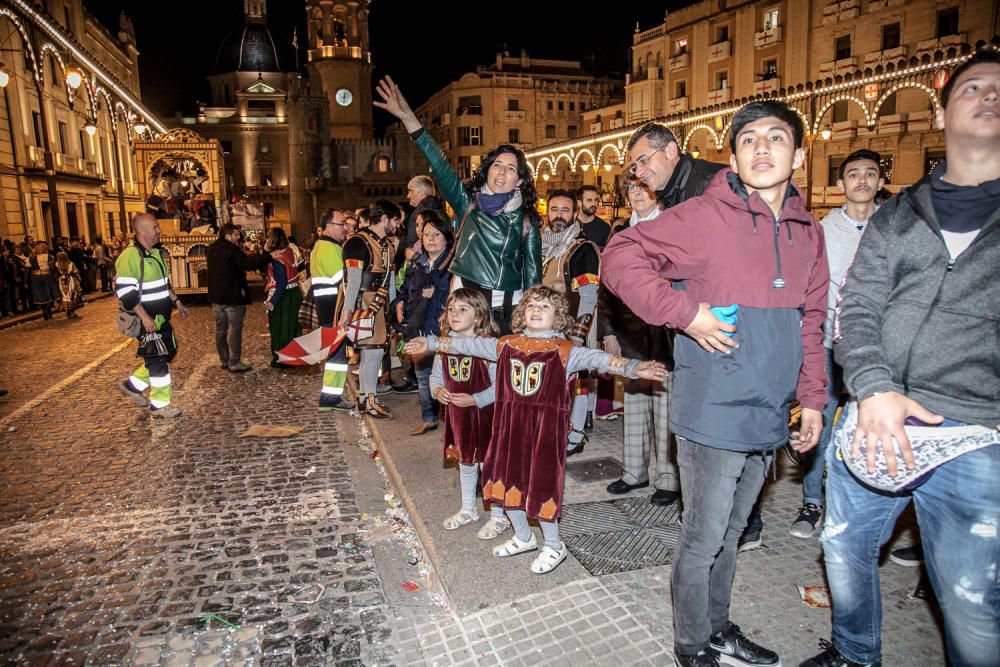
(498, 250)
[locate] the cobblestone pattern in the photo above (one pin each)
(119, 535)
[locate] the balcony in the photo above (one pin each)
(929, 46)
(845, 129)
(876, 58)
(879, 5)
(351, 52)
(677, 105)
(840, 11)
(920, 121)
(683, 61)
(473, 110)
(595, 128)
(894, 124)
(838, 67)
(267, 191)
(768, 86)
(648, 34)
(616, 123)
(36, 157)
(514, 116)
(720, 51)
(720, 96)
(768, 37)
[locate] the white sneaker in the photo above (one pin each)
(514, 546)
(548, 558)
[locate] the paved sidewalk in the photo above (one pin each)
(500, 613)
(31, 315)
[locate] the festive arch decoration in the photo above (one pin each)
(614, 149)
(843, 97)
(544, 161)
(697, 128)
(36, 69)
(931, 93)
(579, 155)
(567, 157)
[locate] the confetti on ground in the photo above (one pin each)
(212, 617)
(815, 596)
(309, 595)
(410, 587)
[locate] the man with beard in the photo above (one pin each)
(571, 264)
(594, 229)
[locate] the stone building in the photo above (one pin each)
(517, 100)
(71, 112)
(863, 74)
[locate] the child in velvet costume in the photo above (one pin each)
(464, 386)
(526, 462)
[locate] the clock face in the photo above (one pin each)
(344, 97)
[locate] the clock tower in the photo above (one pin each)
(339, 59)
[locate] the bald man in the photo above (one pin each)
(143, 287)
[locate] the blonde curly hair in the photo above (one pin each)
(562, 322)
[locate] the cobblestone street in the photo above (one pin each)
(125, 540)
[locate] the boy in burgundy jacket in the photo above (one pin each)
(747, 241)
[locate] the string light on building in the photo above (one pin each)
(74, 77)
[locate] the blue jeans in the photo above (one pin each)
(958, 511)
(422, 368)
(814, 461)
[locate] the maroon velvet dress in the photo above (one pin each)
(526, 461)
(466, 430)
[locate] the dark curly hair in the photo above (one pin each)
(529, 196)
(562, 322)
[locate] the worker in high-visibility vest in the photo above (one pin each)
(326, 271)
(142, 284)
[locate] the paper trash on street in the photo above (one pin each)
(265, 431)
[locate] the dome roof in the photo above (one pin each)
(254, 48)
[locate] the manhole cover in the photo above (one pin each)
(620, 535)
(594, 470)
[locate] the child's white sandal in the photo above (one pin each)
(493, 528)
(514, 546)
(461, 518)
(547, 559)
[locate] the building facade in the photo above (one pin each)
(522, 101)
(862, 73)
(71, 113)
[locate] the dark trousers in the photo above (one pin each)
(229, 332)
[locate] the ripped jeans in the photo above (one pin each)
(958, 511)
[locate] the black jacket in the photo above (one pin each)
(227, 273)
(690, 178)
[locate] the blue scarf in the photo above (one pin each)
(492, 204)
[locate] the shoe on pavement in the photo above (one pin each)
(910, 556)
(374, 408)
(133, 395)
(493, 528)
(335, 403)
(461, 518)
(514, 546)
(424, 427)
(735, 648)
(749, 542)
(704, 658)
(831, 657)
(383, 389)
(664, 498)
(805, 523)
(620, 486)
(405, 388)
(167, 412)
(548, 559)
(240, 367)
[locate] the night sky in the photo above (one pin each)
(423, 45)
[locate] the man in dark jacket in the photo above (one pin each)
(657, 162)
(229, 294)
(917, 339)
(747, 241)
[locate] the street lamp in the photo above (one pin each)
(695, 153)
(89, 127)
(4, 75)
(141, 128)
(826, 133)
(74, 77)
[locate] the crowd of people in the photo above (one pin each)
(723, 302)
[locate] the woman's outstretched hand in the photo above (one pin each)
(394, 102)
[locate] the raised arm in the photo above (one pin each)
(473, 346)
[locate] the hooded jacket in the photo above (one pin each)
(728, 247)
(501, 251)
(690, 178)
(912, 320)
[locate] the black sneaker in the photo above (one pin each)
(588, 424)
(704, 658)
(910, 556)
(831, 657)
(405, 388)
(734, 648)
(749, 542)
(805, 523)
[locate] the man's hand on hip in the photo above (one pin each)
(880, 420)
(710, 332)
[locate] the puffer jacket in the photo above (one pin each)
(727, 247)
(913, 321)
(500, 252)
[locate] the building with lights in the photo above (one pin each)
(862, 73)
(71, 113)
(521, 100)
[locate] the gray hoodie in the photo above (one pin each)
(842, 238)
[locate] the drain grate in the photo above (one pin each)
(594, 470)
(620, 535)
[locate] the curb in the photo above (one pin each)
(9, 322)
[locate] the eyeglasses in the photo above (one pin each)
(643, 160)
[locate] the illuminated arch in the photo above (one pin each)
(36, 69)
(931, 93)
(697, 128)
(544, 161)
(579, 154)
(829, 105)
(618, 154)
(568, 158)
